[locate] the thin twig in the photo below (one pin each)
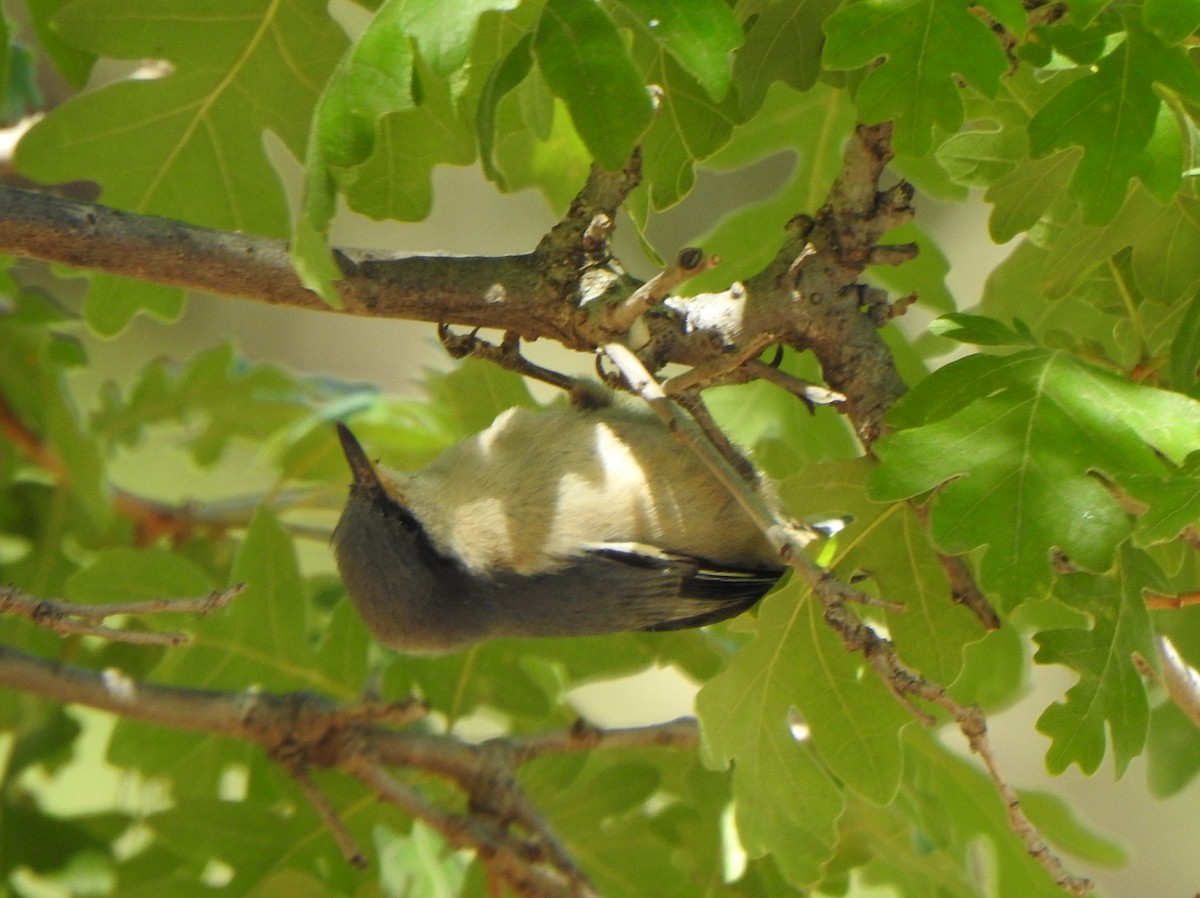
(63, 617)
(1160, 601)
(694, 403)
(329, 816)
(816, 394)
(702, 375)
(682, 733)
(507, 355)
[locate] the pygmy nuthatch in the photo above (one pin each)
(565, 522)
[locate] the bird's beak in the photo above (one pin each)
(360, 466)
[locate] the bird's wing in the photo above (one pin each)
(611, 587)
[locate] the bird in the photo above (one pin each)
(568, 521)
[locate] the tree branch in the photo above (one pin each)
(303, 731)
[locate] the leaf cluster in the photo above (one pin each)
(1058, 455)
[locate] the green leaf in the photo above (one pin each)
(1011, 442)
(1110, 691)
(926, 44)
(33, 840)
(978, 156)
(504, 77)
(980, 330)
(1056, 820)
(783, 43)
(150, 142)
(700, 35)
(112, 302)
(444, 32)
(1173, 751)
(73, 63)
(373, 78)
(537, 146)
(46, 739)
(1172, 20)
(33, 368)
(785, 802)
(475, 392)
(1082, 45)
(9, 110)
(1172, 501)
(1085, 321)
(1183, 369)
(200, 829)
(1021, 196)
(131, 575)
(995, 670)
(1113, 114)
(802, 124)
(888, 545)
(953, 807)
(639, 822)
(687, 127)
(1164, 239)
(222, 396)
(395, 181)
(416, 864)
(585, 62)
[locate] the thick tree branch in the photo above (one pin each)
(569, 288)
(459, 289)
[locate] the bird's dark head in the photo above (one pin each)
(409, 594)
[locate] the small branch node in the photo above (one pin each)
(596, 234)
(619, 317)
(900, 306)
(807, 255)
(898, 254)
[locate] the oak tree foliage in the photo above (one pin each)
(1058, 453)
